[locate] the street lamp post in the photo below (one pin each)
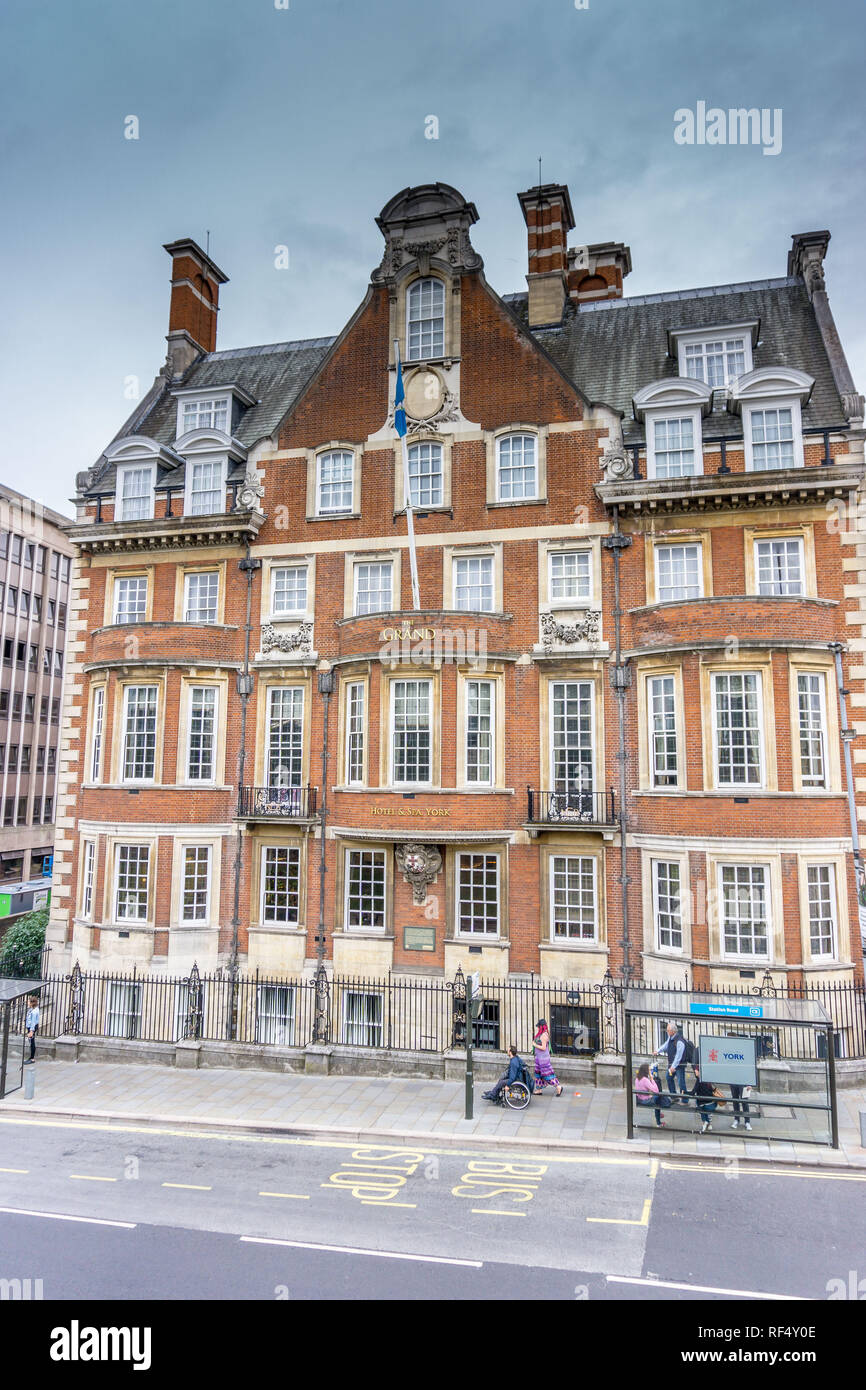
(326, 682)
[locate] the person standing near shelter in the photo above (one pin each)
(676, 1052)
(740, 1104)
(544, 1073)
(31, 1024)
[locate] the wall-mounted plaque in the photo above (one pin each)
(419, 938)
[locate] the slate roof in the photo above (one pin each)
(611, 349)
(274, 375)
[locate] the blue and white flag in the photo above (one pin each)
(399, 403)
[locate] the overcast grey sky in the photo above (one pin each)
(294, 126)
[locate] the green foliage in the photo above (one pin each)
(21, 947)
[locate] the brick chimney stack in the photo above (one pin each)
(597, 272)
(192, 317)
(549, 219)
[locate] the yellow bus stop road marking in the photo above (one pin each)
(375, 1202)
(14, 1170)
(192, 1186)
(619, 1221)
(764, 1171)
(89, 1177)
(295, 1196)
(491, 1211)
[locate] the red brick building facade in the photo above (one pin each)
(611, 734)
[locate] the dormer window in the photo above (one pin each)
(716, 356)
(135, 492)
(425, 320)
(715, 361)
(205, 413)
(770, 400)
(671, 411)
(205, 487)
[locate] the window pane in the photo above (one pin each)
(202, 733)
(780, 566)
(663, 731)
(517, 469)
(738, 729)
(679, 573)
(281, 878)
(139, 752)
(275, 1014)
(285, 736)
(473, 583)
(136, 501)
(822, 909)
(573, 897)
(810, 705)
(206, 490)
(373, 588)
(365, 889)
(478, 893)
(668, 911)
(674, 447)
(362, 1015)
(412, 730)
(336, 475)
(425, 320)
(479, 732)
(133, 863)
(572, 736)
(744, 910)
(130, 599)
(772, 438)
(570, 574)
(202, 598)
(289, 589)
(355, 733)
(196, 883)
(425, 475)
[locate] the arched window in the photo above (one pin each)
(517, 473)
(425, 320)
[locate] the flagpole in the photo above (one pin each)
(407, 496)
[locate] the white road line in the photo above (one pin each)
(358, 1250)
(59, 1216)
(703, 1288)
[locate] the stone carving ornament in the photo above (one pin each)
(616, 463)
(250, 493)
(300, 641)
(555, 633)
(419, 865)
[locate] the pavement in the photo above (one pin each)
(583, 1119)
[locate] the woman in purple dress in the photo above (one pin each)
(544, 1073)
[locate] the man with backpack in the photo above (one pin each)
(679, 1051)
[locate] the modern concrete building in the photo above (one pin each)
(35, 562)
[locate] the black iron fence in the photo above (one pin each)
(277, 803)
(25, 965)
(395, 1012)
(572, 807)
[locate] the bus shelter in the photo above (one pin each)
(774, 1056)
(13, 1010)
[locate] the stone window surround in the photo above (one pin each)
(650, 933)
(656, 539)
(273, 680)
(215, 566)
(574, 849)
(492, 440)
(312, 457)
(644, 674)
(754, 662)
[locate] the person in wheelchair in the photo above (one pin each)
(513, 1073)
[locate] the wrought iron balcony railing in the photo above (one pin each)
(277, 803)
(572, 807)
